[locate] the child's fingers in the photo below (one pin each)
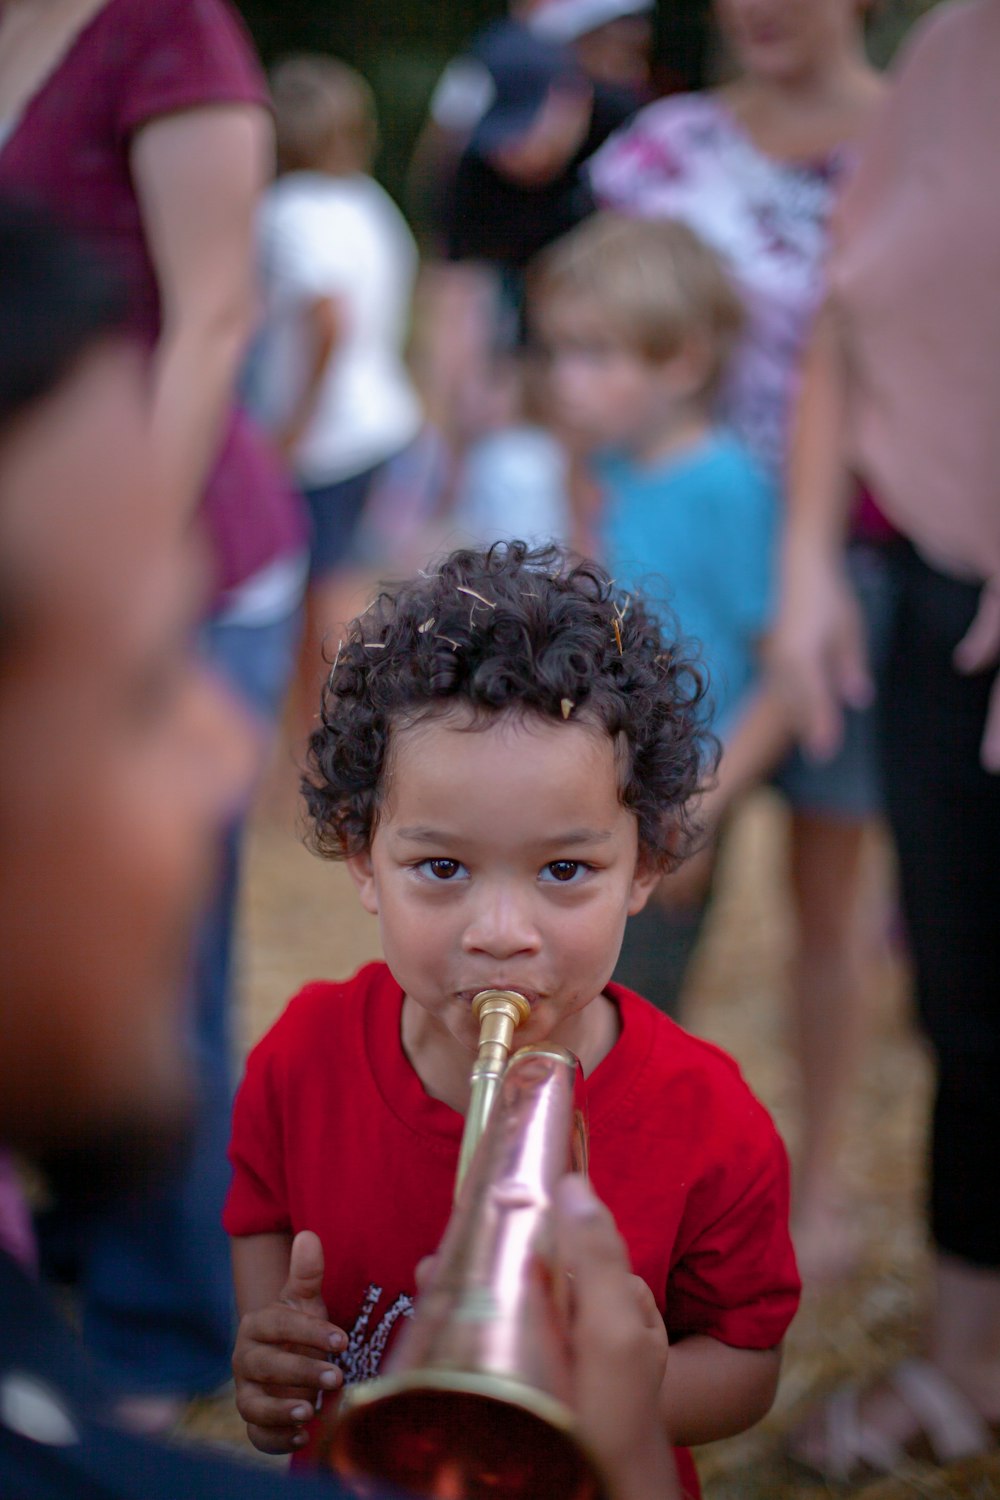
(279, 1439)
(305, 1272)
(424, 1271)
(275, 1422)
(266, 1364)
(262, 1408)
(280, 1324)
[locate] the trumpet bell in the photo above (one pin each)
(451, 1444)
(475, 1399)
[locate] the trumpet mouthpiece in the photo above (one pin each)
(502, 1003)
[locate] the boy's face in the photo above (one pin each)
(503, 859)
(119, 761)
(600, 390)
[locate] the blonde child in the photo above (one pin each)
(637, 321)
(506, 758)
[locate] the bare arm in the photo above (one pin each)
(712, 1391)
(760, 737)
(762, 734)
(323, 333)
(555, 136)
(260, 1269)
(817, 650)
(198, 177)
(819, 491)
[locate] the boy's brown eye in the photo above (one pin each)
(443, 869)
(563, 869)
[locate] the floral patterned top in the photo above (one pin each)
(687, 157)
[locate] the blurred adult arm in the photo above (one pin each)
(817, 652)
(760, 737)
(198, 177)
(536, 157)
(323, 322)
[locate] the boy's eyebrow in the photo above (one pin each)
(582, 836)
(572, 836)
(423, 835)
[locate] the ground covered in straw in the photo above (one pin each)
(301, 920)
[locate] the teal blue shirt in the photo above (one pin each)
(697, 532)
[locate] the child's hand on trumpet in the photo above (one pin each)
(281, 1360)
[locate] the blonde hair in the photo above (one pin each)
(324, 115)
(658, 285)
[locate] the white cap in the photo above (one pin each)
(565, 20)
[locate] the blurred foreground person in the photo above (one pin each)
(120, 764)
(144, 125)
(902, 387)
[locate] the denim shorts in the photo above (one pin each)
(335, 511)
(850, 785)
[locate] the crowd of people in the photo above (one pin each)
(676, 442)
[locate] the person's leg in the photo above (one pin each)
(834, 808)
(964, 1333)
(945, 814)
(945, 811)
(828, 1026)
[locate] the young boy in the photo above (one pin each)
(507, 752)
(637, 320)
(328, 376)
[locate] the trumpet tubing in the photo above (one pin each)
(498, 1012)
(474, 1399)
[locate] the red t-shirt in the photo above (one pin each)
(134, 61)
(333, 1132)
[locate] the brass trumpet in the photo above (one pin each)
(474, 1400)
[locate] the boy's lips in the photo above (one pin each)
(532, 996)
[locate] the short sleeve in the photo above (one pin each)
(736, 1278)
(302, 257)
(639, 168)
(257, 1201)
(185, 53)
(462, 95)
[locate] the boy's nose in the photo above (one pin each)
(502, 927)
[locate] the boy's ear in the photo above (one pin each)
(360, 867)
(644, 882)
(689, 370)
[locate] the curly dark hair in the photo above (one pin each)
(512, 629)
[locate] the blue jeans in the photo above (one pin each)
(156, 1290)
